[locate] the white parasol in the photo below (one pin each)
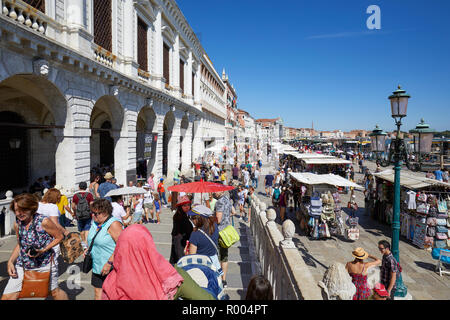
(126, 191)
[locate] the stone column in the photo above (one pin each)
(197, 149)
(173, 154)
(176, 66)
(125, 149)
(188, 85)
(158, 51)
(77, 35)
(159, 125)
(197, 97)
(73, 158)
(186, 160)
(130, 65)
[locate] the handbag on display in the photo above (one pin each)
(433, 212)
(431, 221)
(441, 222)
(352, 234)
(442, 229)
(442, 216)
(432, 200)
(441, 244)
(441, 236)
(422, 208)
(422, 197)
(431, 231)
(442, 206)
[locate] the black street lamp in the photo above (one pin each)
(423, 139)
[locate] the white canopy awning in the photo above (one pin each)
(331, 179)
(299, 155)
(410, 180)
(326, 161)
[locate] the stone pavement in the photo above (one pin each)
(418, 274)
(242, 264)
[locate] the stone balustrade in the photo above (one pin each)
(281, 262)
(103, 56)
(25, 14)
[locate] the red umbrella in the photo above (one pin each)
(200, 187)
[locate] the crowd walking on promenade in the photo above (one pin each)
(109, 225)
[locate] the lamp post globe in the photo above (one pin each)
(423, 137)
(399, 103)
(378, 140)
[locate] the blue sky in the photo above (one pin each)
(317, 61)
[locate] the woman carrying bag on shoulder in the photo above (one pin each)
(102, 238)
(33, 256)
(204, 238)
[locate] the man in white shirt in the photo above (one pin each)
(216, 171)
(246, 175)
(148, 203)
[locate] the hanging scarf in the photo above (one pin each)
(140, 271)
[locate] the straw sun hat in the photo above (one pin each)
(360, 253)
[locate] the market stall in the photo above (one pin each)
(325, 164)
(320, 207)
(424, 207)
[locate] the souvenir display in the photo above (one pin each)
(424, 215)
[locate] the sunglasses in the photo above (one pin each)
(95, 213)
(381, 248)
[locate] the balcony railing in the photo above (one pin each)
(143, 75)
(26, 15)
(104, 56)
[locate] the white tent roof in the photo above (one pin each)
(331, 179)
(326, 161)
(410, 180)
(299, 155)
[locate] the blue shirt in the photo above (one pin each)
(269, 179)
(204, 246)
(103, 247)
(104, 188)
(438, 174)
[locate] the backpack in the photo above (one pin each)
(276, 194)
(83, 211)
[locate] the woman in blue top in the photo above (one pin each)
(205, 236)
(109, 229)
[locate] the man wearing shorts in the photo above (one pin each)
(223, 210)
(84, 224)
(268, 181)
(148, 203)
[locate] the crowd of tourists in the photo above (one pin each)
(109, 227)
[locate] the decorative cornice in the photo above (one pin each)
(17, 38)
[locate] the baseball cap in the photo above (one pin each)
(200, 210)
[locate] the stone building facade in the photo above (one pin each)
(85, 82)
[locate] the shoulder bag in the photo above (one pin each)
(228, 237)
(88, 262)
(35, 284)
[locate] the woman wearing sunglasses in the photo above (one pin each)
(182, 229)
(102, 252)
